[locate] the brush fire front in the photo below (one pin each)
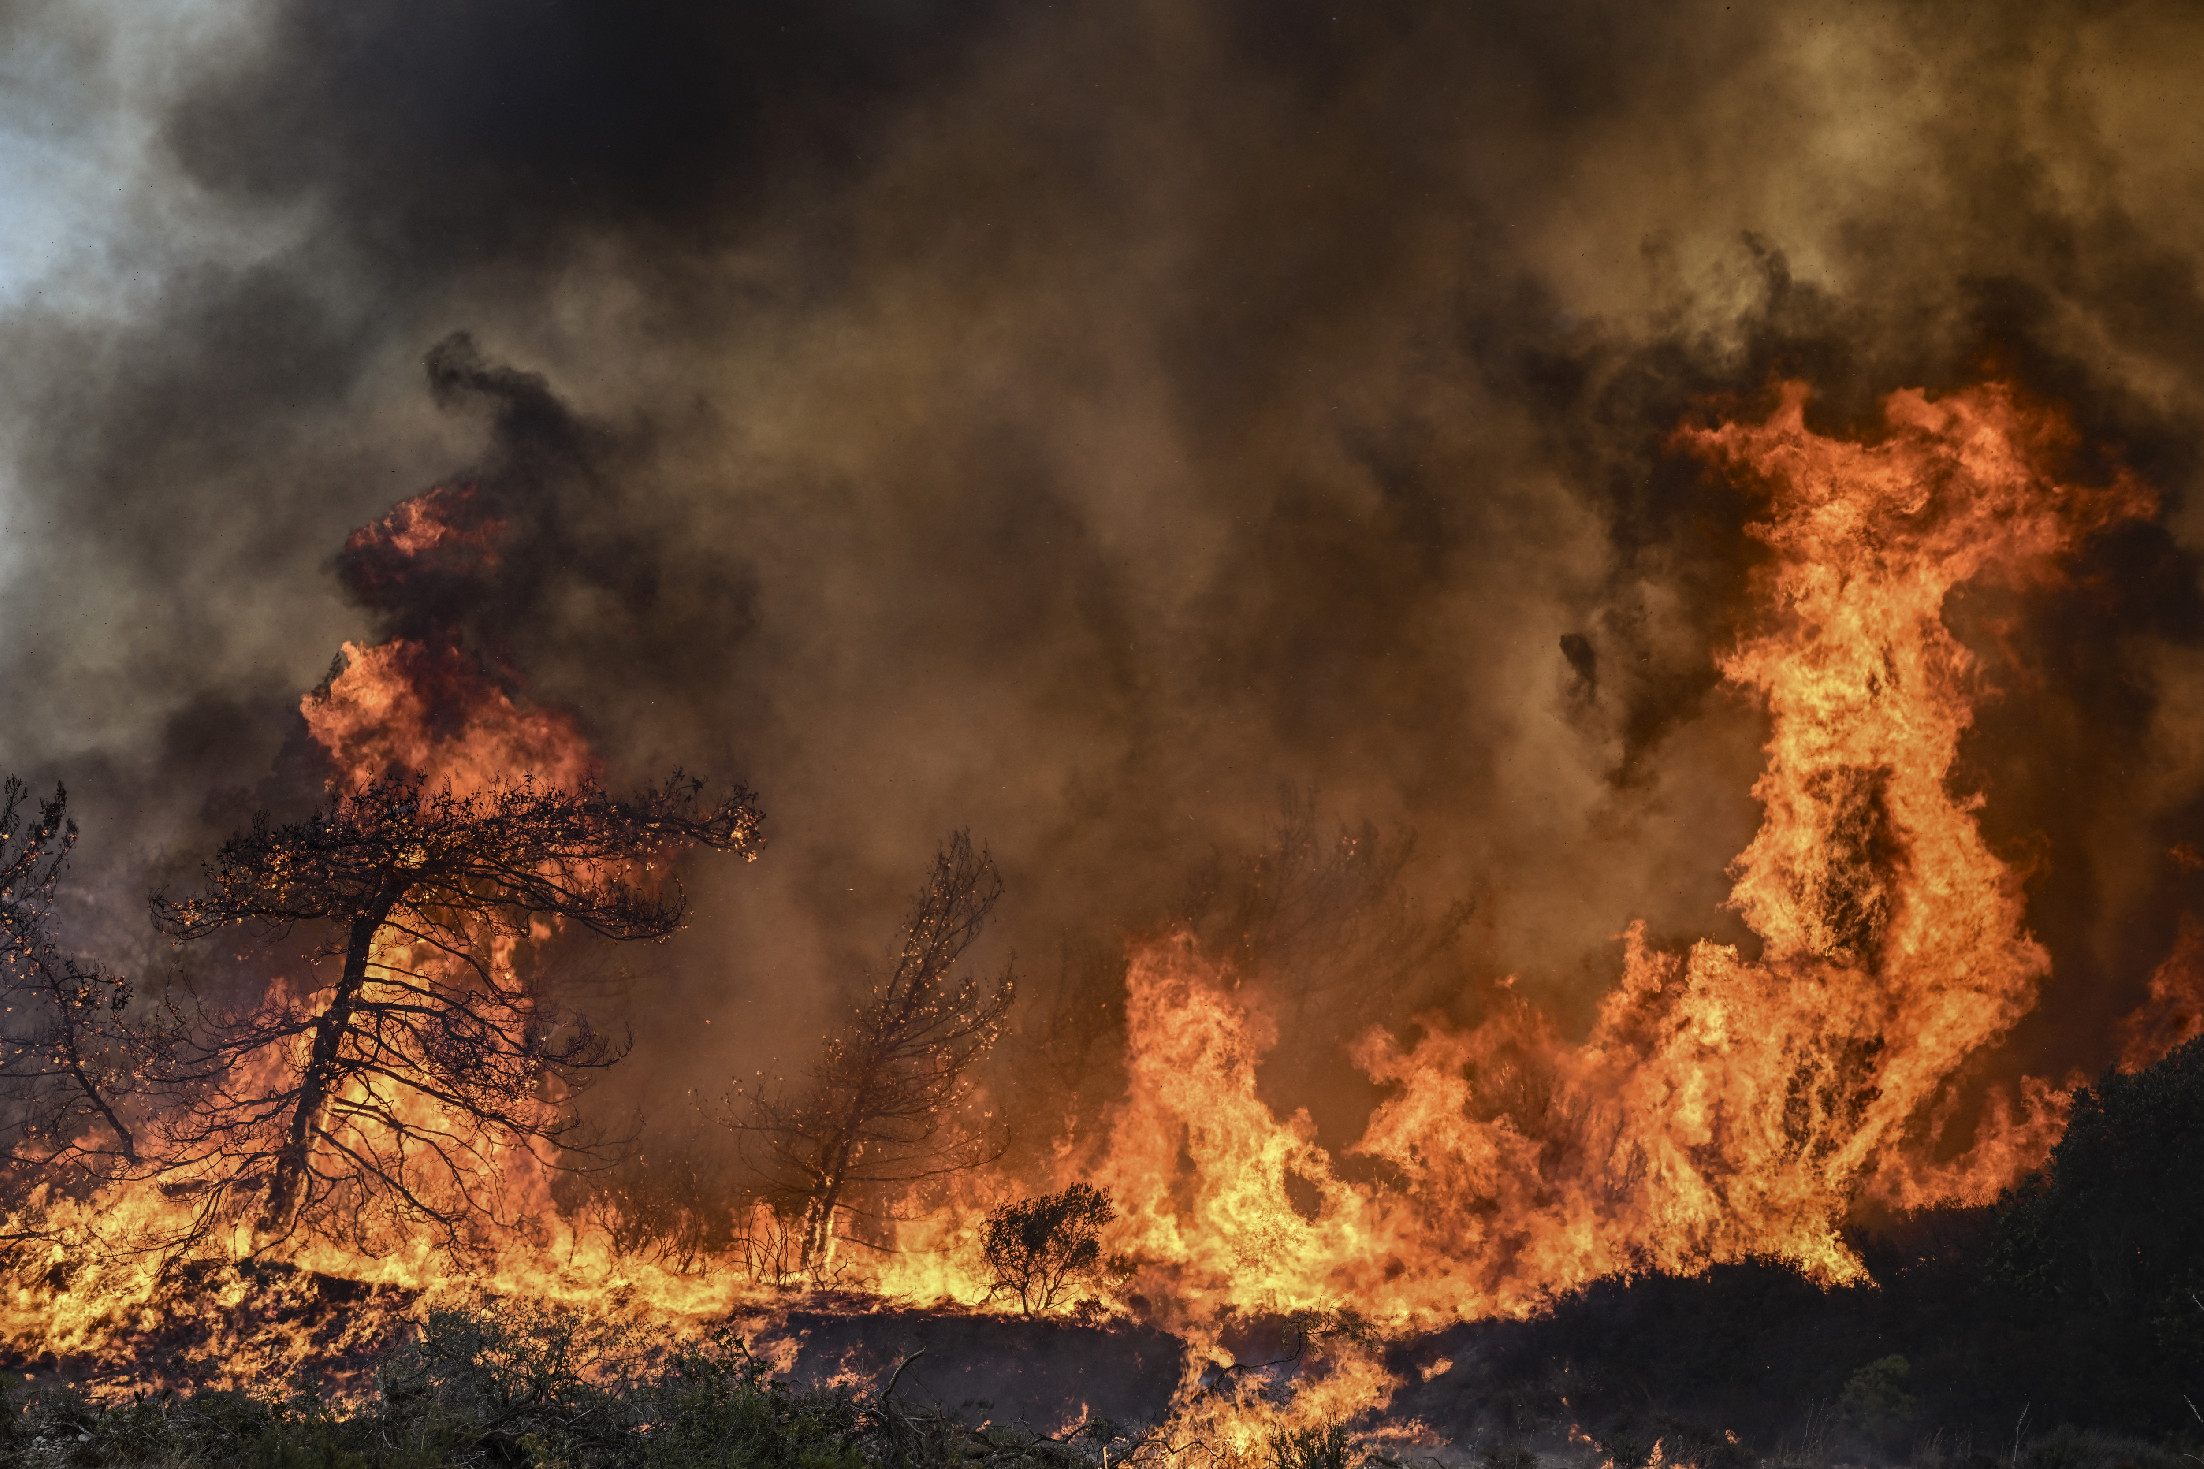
(403, 1111)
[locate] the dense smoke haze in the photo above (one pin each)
(1142, 434)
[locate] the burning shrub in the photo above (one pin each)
(1040, 1249)
(1320, 1447)
(672, 1201)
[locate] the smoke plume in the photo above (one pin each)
(1146, 435)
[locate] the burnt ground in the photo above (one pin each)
(1043, 1372)
(1746, 1363)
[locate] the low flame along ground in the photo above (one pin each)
(1720, 1106)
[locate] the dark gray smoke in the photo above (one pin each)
(1085, 424)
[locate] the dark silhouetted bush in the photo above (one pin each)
(2098, 1259)
(1041, 1249)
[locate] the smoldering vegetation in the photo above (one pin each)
(2046, 1331)
(2056, 1326)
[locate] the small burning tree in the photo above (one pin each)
(397, 1089)
(1041, 1249)
(68, 1054)
(888, 1100)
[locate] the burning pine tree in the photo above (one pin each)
(886, 1100)
(401, 1092)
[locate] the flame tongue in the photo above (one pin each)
(1896, 942)
(411, 706)
(1864, 857)
(1722, 1106)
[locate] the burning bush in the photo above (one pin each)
(1041, 1249)
(672, 1201)
(1323, 1446)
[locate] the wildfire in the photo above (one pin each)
(98, 1279)
(1724, 1103)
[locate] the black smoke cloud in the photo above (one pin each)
(1084, 424)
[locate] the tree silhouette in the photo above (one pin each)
(1042, 1248)
(887, 1100)
(395, 1091)
(69, 1056)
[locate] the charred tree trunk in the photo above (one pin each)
(834, 1168)
(287, 1184)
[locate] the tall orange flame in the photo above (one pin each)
(1723, 1105)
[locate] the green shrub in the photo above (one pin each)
(1875, 1404)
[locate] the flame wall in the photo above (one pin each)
(1084, 427)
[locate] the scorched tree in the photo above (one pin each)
(396, 1092)
(70, 1056)
(886, 1103)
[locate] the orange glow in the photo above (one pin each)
(2174, 1013)
(405, 705)
(444, 532)
(1722, 1104)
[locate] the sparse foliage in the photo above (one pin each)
(1323, 1446)
(1041, 1249)
(397, 1091)
(69, 1056)
(888, 1099)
